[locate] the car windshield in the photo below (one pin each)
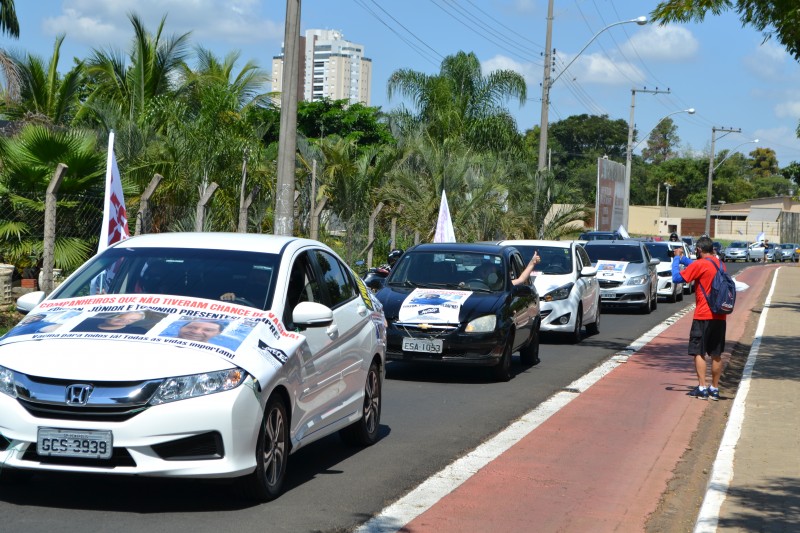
(614, 252)
(595, 236)
(787, 246)
(555, 259)
(200, 273)
(738, 244)
(449, 270)
(659, 251)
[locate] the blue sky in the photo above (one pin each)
(727, 73)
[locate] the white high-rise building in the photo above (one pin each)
(331, 68)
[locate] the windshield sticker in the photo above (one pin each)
(432, 305)
(611, 270)
(254, 340)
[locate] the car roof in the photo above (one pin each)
(477, 247)
(536, 242)
(620, 242)
(248, 242)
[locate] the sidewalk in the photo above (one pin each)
(605, 458)
(764, 461)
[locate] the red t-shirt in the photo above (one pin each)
(702, 272)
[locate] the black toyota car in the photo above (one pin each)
(456, 303)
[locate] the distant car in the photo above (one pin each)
(718, 249)
(567, 285)
(664, 252)
(235, 351)
(454, 303)
(789, 251)
(772, 252)
(600, 236)
(626, 273)
(757, 250)
(737, 251)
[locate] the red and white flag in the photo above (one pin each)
(115, 217)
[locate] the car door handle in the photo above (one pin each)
(332, 331)
(362, 310)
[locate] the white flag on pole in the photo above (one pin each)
(760, 237)
(622, 232)
(444, 225)
(115, 218)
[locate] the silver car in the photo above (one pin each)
(787, 252)
(737, 251)
(626, 274)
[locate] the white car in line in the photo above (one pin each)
(567, 286)
(664, 251)
(202, 355)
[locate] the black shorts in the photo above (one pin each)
(707, 337)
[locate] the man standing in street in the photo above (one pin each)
(707, 336)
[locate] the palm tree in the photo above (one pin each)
(461, 101)
(29, 160)
(8, 18)
(46, 96)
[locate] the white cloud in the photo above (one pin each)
(532, 73)
(105, 22)
(767, 61)
(662, 43)
(789, 109)
(599, 68)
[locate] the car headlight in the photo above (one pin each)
(561, 293)
(7, 382)
(184, 387)
(636, 280)
(483, 324)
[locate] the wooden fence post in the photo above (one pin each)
(144, 201)
(48, 257)
(201, 206)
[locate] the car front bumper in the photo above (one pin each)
(666, 287)
(160, 441)
(558, 316)
(478, 349)
(624, 295)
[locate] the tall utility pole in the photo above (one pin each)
(546, 83)
(714, 131)
(287, 137)
(628, 152)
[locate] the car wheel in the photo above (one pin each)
(679, 296)
(365, 431)
(654, 302)
(674, 297)
(529, 354)
(502, 370)
(272, 454)
(594, 327)
(648, 305)
(575, 336)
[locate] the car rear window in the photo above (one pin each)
(614, 252)
(738, 244)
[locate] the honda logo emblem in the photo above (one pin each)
(79, 394)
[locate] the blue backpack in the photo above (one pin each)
(722, 296)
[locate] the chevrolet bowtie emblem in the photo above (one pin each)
(424, 326)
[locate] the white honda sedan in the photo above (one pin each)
(567, 286)
(202, 355)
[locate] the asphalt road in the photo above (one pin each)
(431, 416)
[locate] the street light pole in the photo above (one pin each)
(668, 187)
(547, 83)
(711, 169)
(629, 152)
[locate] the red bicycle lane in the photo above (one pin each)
(604, 460)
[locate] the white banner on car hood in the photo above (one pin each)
(436, 306)
(612, 270)
(252, 339)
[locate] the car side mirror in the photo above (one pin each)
(588, 272)
(654, 262)
(523, 290)
(27, 302)
(312, 315)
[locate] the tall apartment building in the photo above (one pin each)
(331, 68)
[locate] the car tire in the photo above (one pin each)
(654, 302)
(272, 454)
(674, 296)
(679, 296)
(502, 370)
(647, 308)
(575, 336)
(529, 354)
(365, 431)
(594, 327)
